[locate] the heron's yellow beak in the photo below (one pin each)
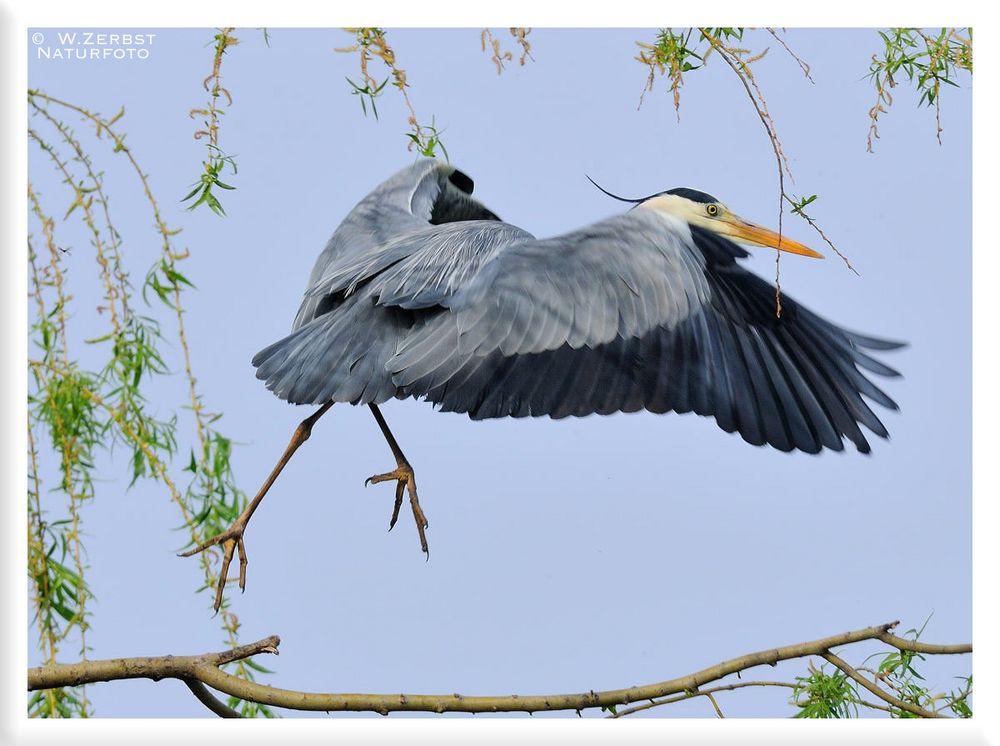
(749, 233)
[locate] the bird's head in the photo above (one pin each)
(705, 211)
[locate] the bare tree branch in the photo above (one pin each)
(205, 669)
(204, 696)
(718, 710)
(700, 693)
(916, 646)
(802, 63)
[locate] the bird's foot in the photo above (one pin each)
(232, 541)
(405, 480)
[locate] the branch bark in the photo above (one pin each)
(916, 646)
(155, 667)
(204, 670)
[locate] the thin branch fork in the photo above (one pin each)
(701, 693)
(204, 670)
(152, 667)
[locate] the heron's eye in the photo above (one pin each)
(712, 210)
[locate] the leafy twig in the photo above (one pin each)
(217, 160)
(370, 42)
(212, 498)
(498, 55)
(669, 55)
(926, 60)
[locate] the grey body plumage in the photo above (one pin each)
(423, 292)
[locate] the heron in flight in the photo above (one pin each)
(424, 292)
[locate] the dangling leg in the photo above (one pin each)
(403, 474)
(232, 538)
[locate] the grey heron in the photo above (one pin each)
(424, 292)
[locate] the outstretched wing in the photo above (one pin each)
(424, 194)
(398, 251)
(368, 306)
(642, 311)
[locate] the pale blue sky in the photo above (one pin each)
(592, 553)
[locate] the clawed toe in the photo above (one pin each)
(405, 481)
(231, 541)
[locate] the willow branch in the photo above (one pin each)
(204, 696)
(718, 710)
(779, 155)
(700, 693)
(205, 669)
(874, 706)
(802, 63)
(915, 646)
(884, 696)
(154, 667)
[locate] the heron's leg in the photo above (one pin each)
(403, 474)
(232, 538)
